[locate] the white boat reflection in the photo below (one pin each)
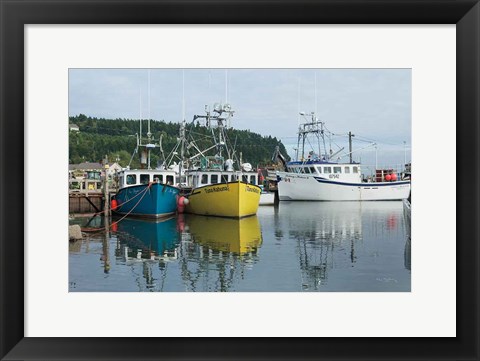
(329, 234)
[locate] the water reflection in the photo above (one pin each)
(147, 239)
(408, 252)
(329, 235)
(216, 252)
(294, 246)
(238, 236)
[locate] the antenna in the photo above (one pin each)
(149, 134)
(298, 101)
(315, 92)
(226, 85)
(140, 114)
(183, 94)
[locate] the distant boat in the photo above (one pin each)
(217, 188)
(318, 178)
(146, 192)
(267, 198)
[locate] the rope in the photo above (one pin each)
(121, 219)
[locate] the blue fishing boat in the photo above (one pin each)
(146, 192)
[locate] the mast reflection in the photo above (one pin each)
(216, 252)
(329, 235)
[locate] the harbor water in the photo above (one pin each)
(290, 247)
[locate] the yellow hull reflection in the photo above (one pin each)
(232, 199)
(227, 235)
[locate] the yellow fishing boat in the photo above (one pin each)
(232, 199)
(217, 188)
(238, 236)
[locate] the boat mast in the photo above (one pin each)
(313, 127)
(350, 135)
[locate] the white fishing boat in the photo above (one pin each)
(320, 178)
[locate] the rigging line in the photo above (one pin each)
(382, 142)
(121, 219)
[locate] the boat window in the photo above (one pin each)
(131, 179)
(245, 178)
(224, 178)
(144, 178)
(158, 178)
(204, 178)
(170, 179)
(355, 169)
(327, 170)
(99, 185)
(312, 170)
(234, 177)
(214, 178)
(319, 169)
(306, 170)
(75, 185)
(347, 169)
(337, 169)
(253, 179)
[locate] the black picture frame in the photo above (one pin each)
(15, 14)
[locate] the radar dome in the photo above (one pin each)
(247, 167)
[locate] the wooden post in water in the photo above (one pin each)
(106, 193)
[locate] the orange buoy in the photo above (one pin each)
(394, 177)
(388, 177)
(181, 202)
(113, 204)
(114, 226)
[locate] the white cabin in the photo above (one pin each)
(129, 178)
(200, 178)
(344, 172)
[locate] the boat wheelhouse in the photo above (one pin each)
(340, 171)
(129, 178)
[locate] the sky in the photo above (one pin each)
(374, 104)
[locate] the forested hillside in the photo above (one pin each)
(116, 138)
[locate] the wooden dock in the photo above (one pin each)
(85, 202)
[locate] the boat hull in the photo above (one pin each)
(159, 200)
(312, 188)
(232, 199)
(267, 199)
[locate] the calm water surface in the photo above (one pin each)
(295, 246)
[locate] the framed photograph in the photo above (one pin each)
(303, 281)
